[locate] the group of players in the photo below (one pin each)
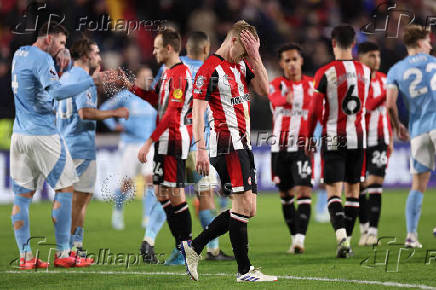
(353, 103)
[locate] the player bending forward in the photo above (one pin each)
(37, 149)
(222, 82)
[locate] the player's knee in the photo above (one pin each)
(15, 210)
(304, 192)
(253, 212)
(284, 193)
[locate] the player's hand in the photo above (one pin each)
(123, 79)
(251, 44)
(202, 165)
(290, 97)
(403, 133)
(142, 154)
(105, 77)
(63, 58)
(122, 112)
(390, 147)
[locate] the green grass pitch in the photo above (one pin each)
(269, 241)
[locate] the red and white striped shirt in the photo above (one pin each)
(377, 120)
(225, 86)
(174, 110)
(342, 86)
(290, 121)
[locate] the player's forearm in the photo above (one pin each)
(260, 80)
(198, 110)
(395, 119)
(63, 91)
(391, 105)
(95, 114)
(277, 100)
(315, 112)
(164, 123)
(147, 95)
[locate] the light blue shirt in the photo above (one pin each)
(415, 79)
(79, 134)
(35, 84)
(142, 117)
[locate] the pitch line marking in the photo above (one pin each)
(319, 279)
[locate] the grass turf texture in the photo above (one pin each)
(269, 241)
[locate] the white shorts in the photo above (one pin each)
(422, 152)
(201, 183)
(130, 165)
(87, 172)
(33, 158)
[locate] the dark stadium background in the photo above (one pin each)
(277, 21)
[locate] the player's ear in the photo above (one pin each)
(281, 63)
(48, 39)
(420, 43)
(334, 43)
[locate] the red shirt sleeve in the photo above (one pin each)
(316, 108)
(178, 88)
(150, 96)
(275, 94)
(372, 102)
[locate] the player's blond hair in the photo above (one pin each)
(412, 34)
(240, 26)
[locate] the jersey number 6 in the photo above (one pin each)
(351, 104)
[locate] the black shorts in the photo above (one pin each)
(169, 170)
(342, 165)
(237, 171)
(377, 160)
(292, 169)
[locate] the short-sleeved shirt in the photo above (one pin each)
(415, 79)
(225, 86)
(290, 121)
(344, 87)
(79, 134)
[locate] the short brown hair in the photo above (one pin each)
(240, 26)
(171, 38)
(52, 27)
(412, 34)
(196, 42)
(81, 47)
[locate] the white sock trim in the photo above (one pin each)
(341, 234)
(149, 240)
